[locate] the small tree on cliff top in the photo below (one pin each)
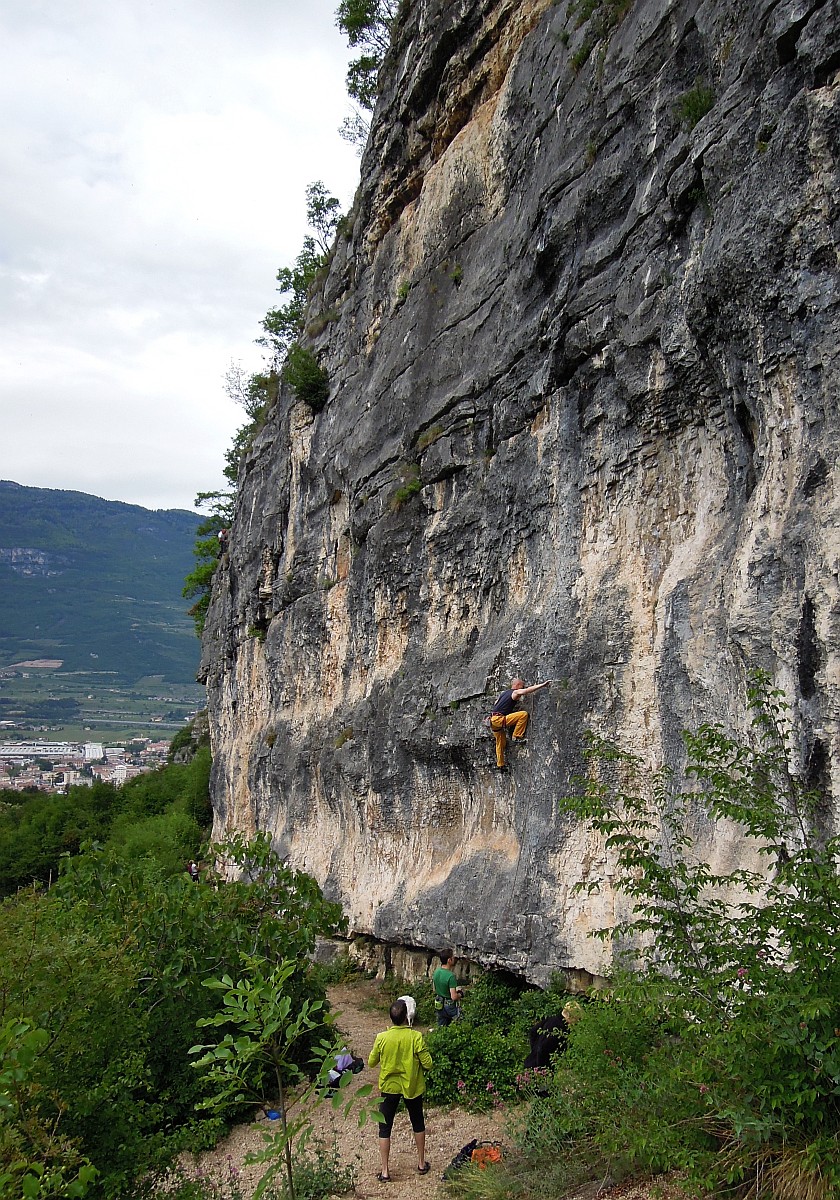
(283, 325)
(368, 26)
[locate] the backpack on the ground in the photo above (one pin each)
(480, 1153)
(461, 1159)
(486, 1152)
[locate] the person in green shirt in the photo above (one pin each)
(447, 991)
(403, 1058)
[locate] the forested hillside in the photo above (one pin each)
(95, 583)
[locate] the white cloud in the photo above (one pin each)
(155, 157)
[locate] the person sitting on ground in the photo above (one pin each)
(546, 1038)
(344, 1062)
(506, 715)
(403, 1060)
(447, 991)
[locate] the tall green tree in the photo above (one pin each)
(37, 830)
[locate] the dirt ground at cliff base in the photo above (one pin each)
(447, 1130)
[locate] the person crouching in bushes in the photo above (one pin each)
(403, 1060)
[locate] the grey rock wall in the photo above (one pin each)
(583, 424)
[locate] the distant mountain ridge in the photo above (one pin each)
(95, 583)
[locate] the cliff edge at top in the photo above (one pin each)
(582, 340)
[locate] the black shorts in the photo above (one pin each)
(388, 1108)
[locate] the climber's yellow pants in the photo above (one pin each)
(517, 721)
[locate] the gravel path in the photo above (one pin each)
(447, 1130)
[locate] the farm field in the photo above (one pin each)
(93, 706)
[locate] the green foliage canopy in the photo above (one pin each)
(161, 814)
(36, 1161)
(111, 963)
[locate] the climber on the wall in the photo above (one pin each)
(506, 715)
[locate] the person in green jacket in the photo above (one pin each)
(403, 1059)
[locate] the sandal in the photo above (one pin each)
(425, 1169)
(383, 1178)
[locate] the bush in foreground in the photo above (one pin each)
(719, 1054)
(111, 963)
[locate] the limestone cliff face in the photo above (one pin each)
(583, 424)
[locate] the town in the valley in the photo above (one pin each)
(55, 766)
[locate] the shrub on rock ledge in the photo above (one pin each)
(308, 380)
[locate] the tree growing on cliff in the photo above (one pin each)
(257, 393)
(207, 551)
(283, 325)
(368, 26)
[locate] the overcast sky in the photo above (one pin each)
(154, 156)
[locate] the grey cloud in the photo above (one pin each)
(157, 156)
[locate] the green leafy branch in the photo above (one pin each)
(369, 26)
(36, 1162)
(255, 1062)
(742, 967)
